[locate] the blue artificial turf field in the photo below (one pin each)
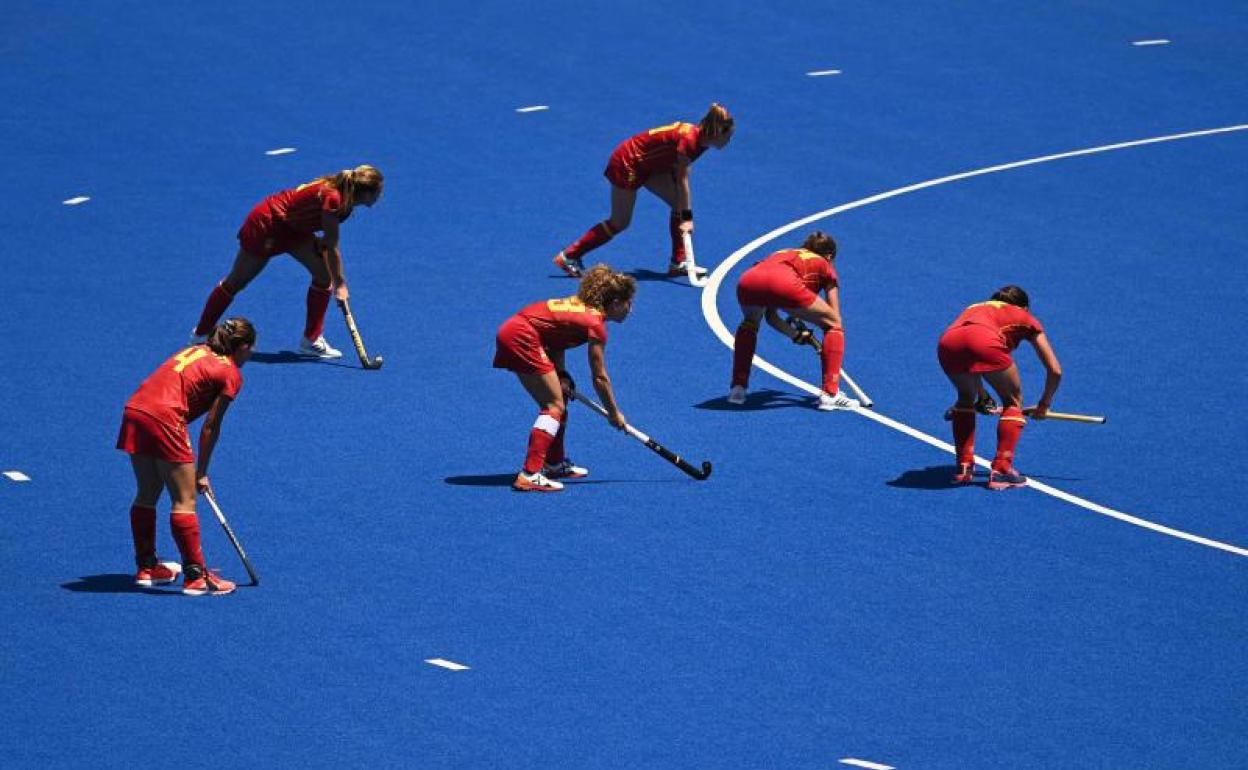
(825, 595)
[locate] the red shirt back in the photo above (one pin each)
(299, 210)
(565, 323)
(656, 150)
(815, 271)
(184, 387)
(1012, 322)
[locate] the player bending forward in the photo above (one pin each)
(789, 279)
(199, 379)
(286, 222)
(659, 161)
(978, 345)
(532, 343)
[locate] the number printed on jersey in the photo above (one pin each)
(661, 129)
(188, 357)
(566, 305)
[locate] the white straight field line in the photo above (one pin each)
(17, 476)
(865, 763)
(76, 201)
(448, 664)
(710, 311)
(280, 151)
(823, 73)
(534, 108)
(1160, 41)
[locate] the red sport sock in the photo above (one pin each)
(678, 243)
(964, 433)
(218, 301)
(592, 239)
(143, 528)
(318, 303)
(1009, 431)
(556, 454)
(185, 525)
(833, 356)
(545, 428)
(743, 352)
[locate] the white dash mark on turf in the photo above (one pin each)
(865, 763)
(280, 151)
(76, 201)
(1160, 41)
(822, 73)
(17, 476)
(449, 664)
(534, 108)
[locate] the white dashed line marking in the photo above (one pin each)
(76, 201)
(534, 108)
(866, 764)
(17, 476)
(447, 664)
(1160, 41)
(280, 151)
(822, 73)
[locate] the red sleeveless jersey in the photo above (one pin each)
(815, 272)
(186, 385)
(299, 210)
(565, 323)
(1012, 322)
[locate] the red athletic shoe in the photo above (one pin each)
(570, 265)
(199, 581)
(1005, 479)
(965, 473)
(158, 574)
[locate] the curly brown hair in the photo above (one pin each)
(821, 243)
(601, 286)
(230, 335)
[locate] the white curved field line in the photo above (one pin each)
(711, 312)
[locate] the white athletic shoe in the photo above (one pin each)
(838, 401)
(565, 469)
(318, 349)
(197, 339)
(736, 394)
(681, 268)
(535, 482)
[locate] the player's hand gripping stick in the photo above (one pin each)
(365, 361)
(229, 532)
(662, 451)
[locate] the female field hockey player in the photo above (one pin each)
(790, 279)
(532, 343)
(199, 379)
(286, 223)
(657, 160)
(978, 345)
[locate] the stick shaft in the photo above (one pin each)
(797, 323)
(862, 396)
(229, 532)
(651, 444)
(355, 334)
(691, 264)
(1070, 417)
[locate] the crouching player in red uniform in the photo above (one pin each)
(790, 279)
(978, 345)
(657, 160)
(286, 222)
(532, 343)
(199, 379)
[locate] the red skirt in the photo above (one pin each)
(773, 286)
(142, 434)
(973, 349)
(260, 236)
(518, 347)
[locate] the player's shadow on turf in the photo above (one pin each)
(756, 401)
(505, 479)
(931, 477)
(112, 584)
(291, 357)
(643, 274)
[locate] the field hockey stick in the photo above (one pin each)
(1093, 419)
(797, 324)
(691, 264)
(650, 443)
(365, 361)
(229, 532)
